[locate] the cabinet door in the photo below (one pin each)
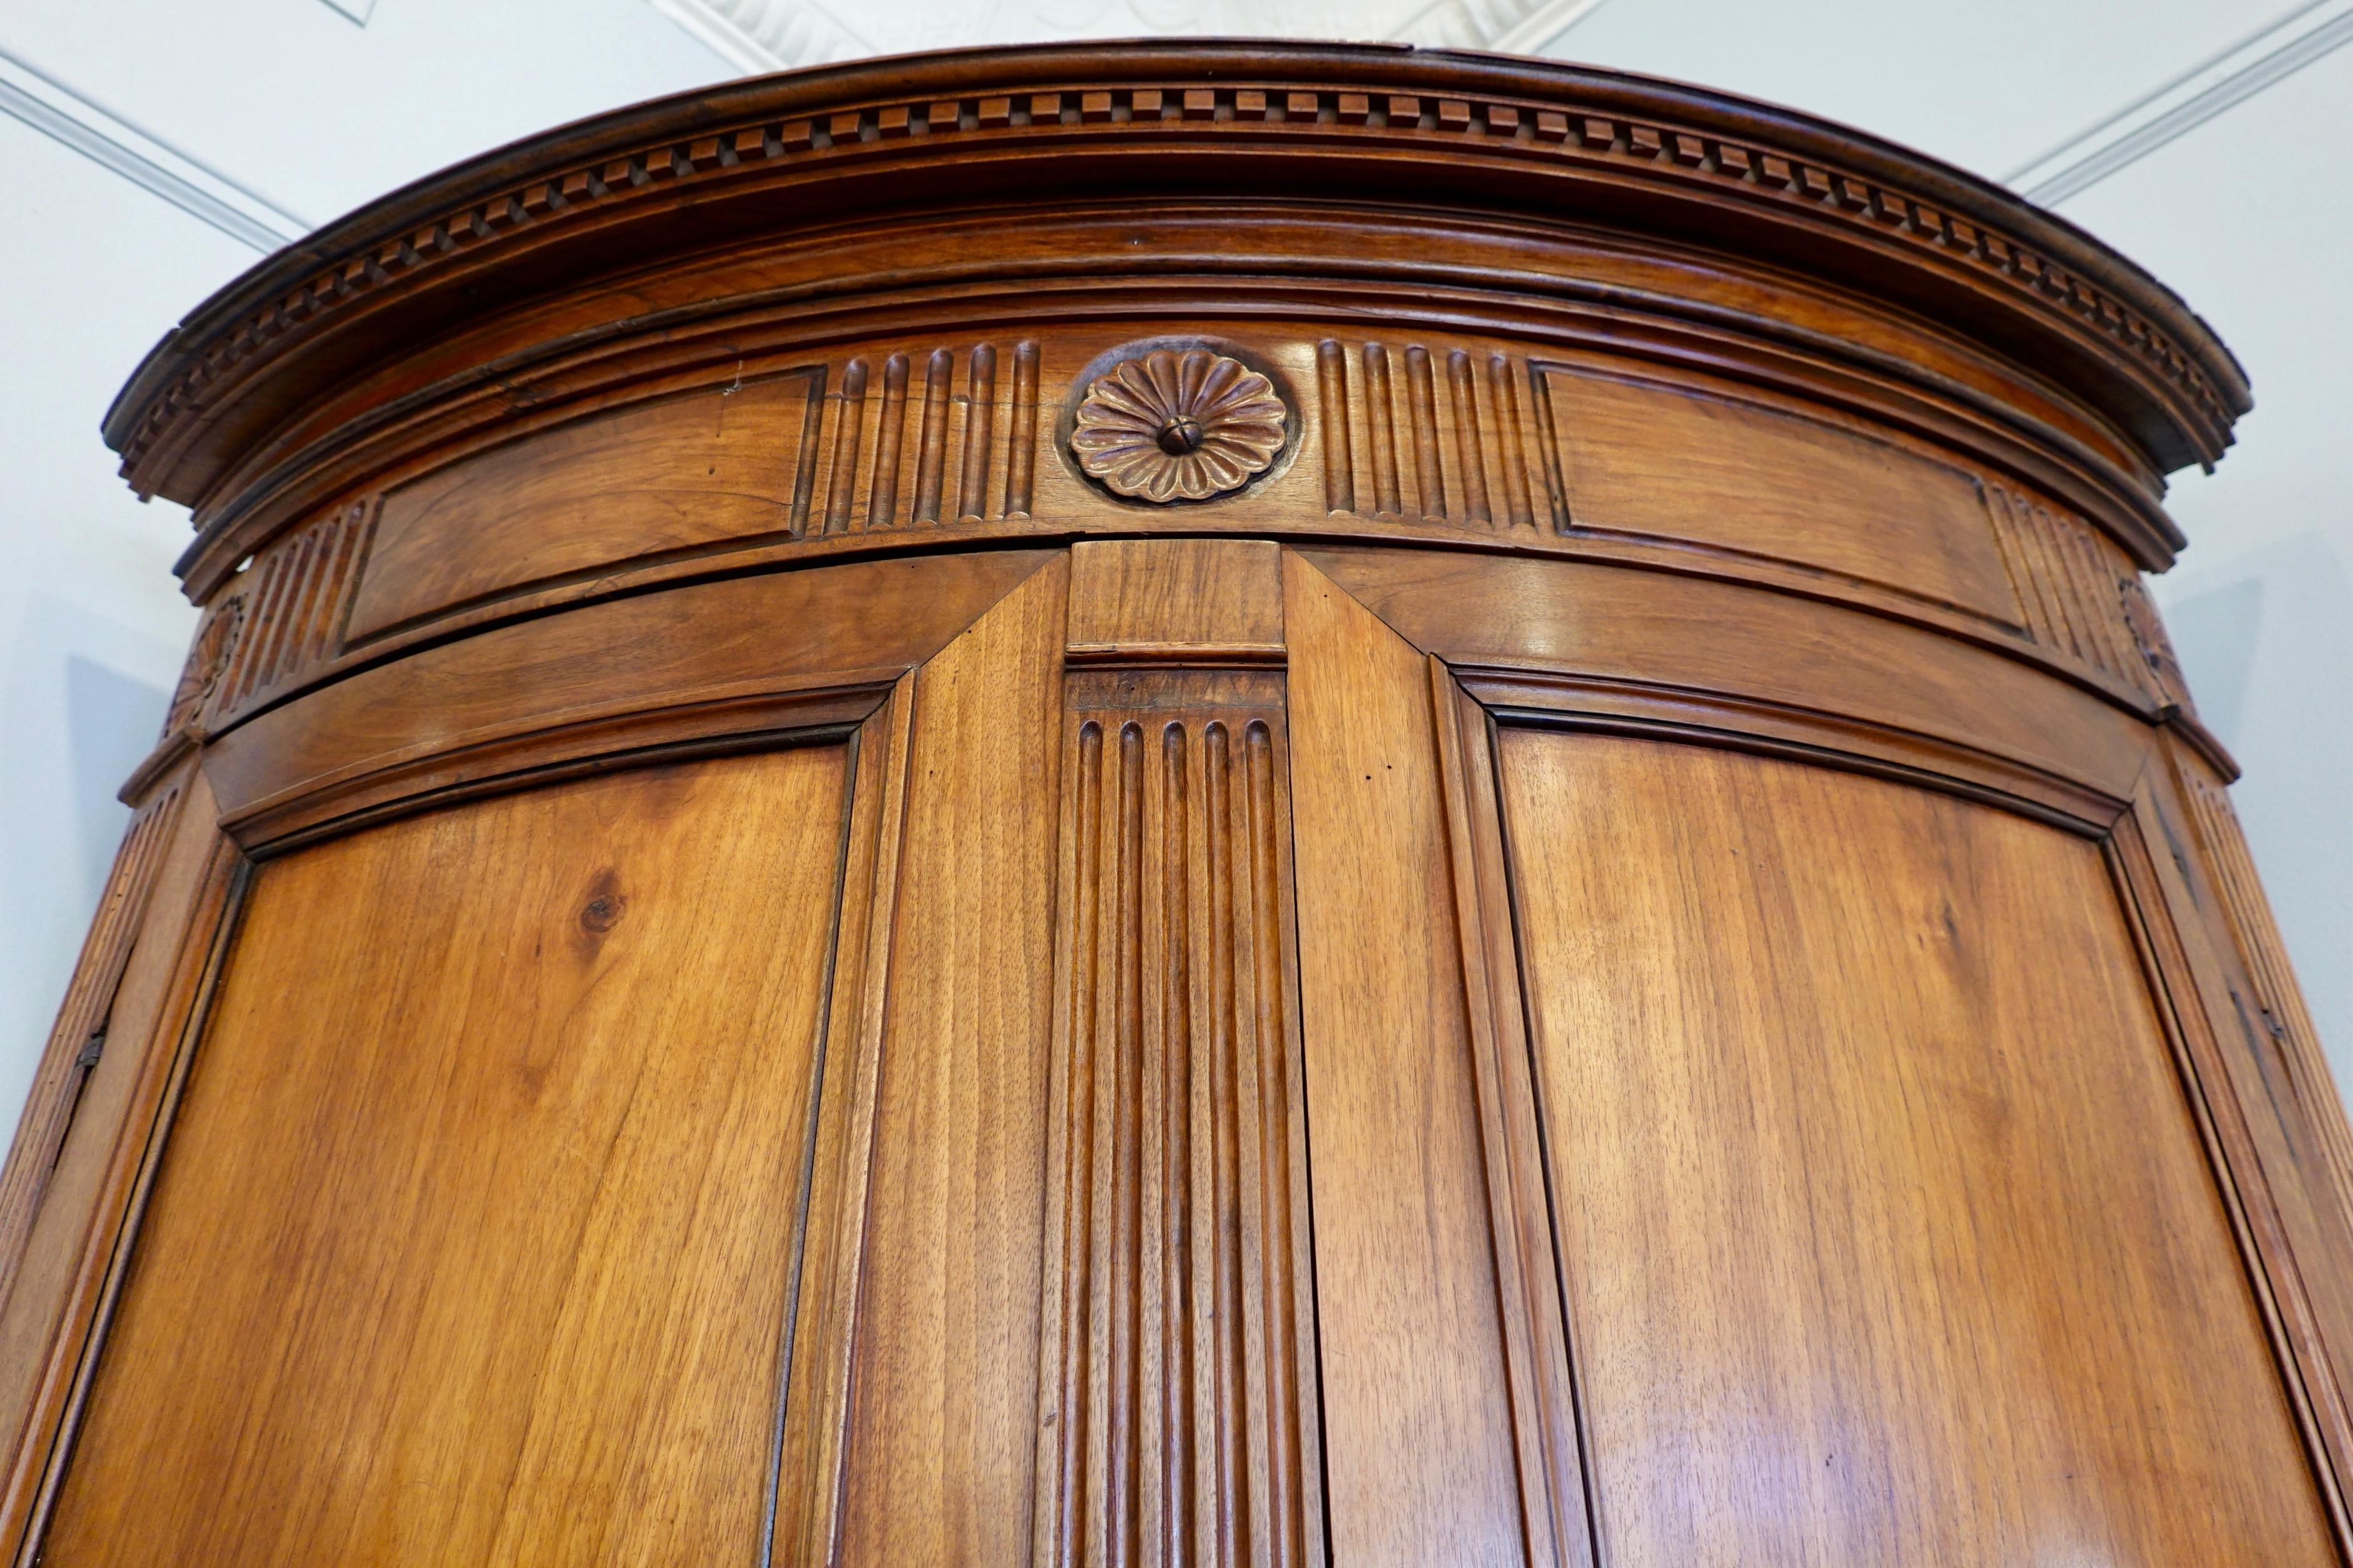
(473, 1238)
(1886, 1233)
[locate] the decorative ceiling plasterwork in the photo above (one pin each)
(780, 35)
(767, 35)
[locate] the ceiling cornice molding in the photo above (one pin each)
(2221, 81)
(57, 112)
(1506, 26)
(758, 36)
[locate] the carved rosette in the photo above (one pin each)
(206, 660)
(1178, 426)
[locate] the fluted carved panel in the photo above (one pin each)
(1442, 435)
(297, 597)
(2278, 1007)
(80, 1033)
(2076, 592)
(2156, 648)
(1178, 1381)
(900, 443)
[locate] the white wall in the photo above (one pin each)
(2246, 217)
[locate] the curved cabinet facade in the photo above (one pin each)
(1181, 805)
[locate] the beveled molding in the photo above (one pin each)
(1135, 120)
(698, 670)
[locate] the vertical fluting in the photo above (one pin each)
(1514, 440)
(1380, 432)
(882, 500)
(1421, 410)
(1073, 1281)
(850, 423)
(1470, 447)
(979, 431)
(1176, 1436)
(1230, 1510)
(1339, 454)
(1021, 435)
(1175, 1168)
(1276, 1202)
(931, 438)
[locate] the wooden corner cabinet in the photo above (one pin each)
(1167, 805)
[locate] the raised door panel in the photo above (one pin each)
(1422, 1455)
(1887, 1235)
(936, 1206)
(473, 1239)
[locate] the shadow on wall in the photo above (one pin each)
(2214, 632)
(112, 721)
(2266, 639)
(79, 722)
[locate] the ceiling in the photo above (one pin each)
(776, 35)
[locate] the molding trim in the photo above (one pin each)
(1360, 107)
(2260, 60)
(196, 189)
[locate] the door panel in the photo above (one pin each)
(939, 1432)
(1887, 1235)
(1421, 1462)
(473, 1239)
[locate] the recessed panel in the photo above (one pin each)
(669, 474)
(1700, 464)
(472, 1241)
(1887, 1235)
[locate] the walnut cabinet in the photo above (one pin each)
(1181, 804)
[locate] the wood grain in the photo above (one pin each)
(78, 1040)
(1690, 636)
(1724, 469)
(1225, 1110)
(1553, 1486)
(68, 1265)
(813, 1433)
(877, 443)
(1141, 598)
(942, 1440)
(1420, 1453)
(1857, 1101)
(480, 1251)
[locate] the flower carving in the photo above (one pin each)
(1170, 426)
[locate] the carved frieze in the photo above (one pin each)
(1507, 121)
(207, 659)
